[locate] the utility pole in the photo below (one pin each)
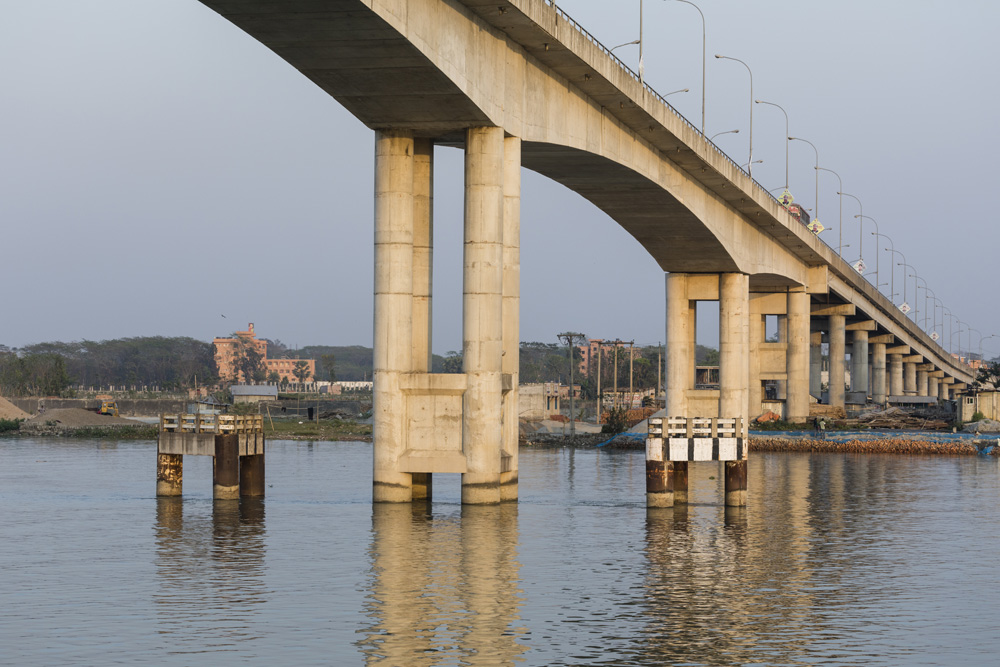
(631, 390)
(600, 353)
(569, 337)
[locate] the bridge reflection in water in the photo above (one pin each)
(211, 571)
(444, 589)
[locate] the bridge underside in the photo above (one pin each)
(676, 239)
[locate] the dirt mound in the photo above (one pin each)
(10, 411)
(78, 417)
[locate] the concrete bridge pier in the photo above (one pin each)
(932, 384)
(680, 348)
(799, 360)
(895, 374)
(459, 423)
(837, 333)
(511, 314)
(910, 376)
(422, 483)
(922, 371)
(878, 373)
(482, 330)
(734, 371)
(816, 363)
(859, 366)
(943, 389)
(733, 293)
(393, 340)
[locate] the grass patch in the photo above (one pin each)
(781, 425)
(326, 429)
(9, 425)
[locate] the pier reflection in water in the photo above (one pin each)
(444, 588)
(211, 574)
(842, 560)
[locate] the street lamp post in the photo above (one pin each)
(897, 252)
(815, 150)
(682, 90)
(981, 343)
(717, 134)
(914, 276)
(892, 273)
(916, 296)
(950, 326)
(786, 134)
(840, 216)
(687, 2)
(861, 254)
(750, 161)
(861, 219)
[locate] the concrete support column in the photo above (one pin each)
(758, 334)
(837, 359)
(511, 309)
(482, 329)
(680, 345)
(423, 262)
(816, 364)
(226, 467)
(895, 375)
(252, 476)
(909, 378)
(878, 373)
(734, 370)
(782, 385)
(932, 387)
(680, 475)
(942, 390)
(797, 359)
(859, 363)
(169, 474)
(659, 478)
(393, 340)
(921, 383)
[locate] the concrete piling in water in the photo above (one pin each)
(680, 474)
(226, 475)
(169, 474)
(252, 476)
(736, 483)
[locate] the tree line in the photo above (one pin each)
(49, 369)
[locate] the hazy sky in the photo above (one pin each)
(160, 169)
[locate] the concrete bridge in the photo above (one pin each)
(518, 83)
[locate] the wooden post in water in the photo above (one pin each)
(226, 476)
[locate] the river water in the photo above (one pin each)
(839, 560)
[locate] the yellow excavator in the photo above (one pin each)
(108, 405)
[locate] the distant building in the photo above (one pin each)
(226, 350)
(253, 393)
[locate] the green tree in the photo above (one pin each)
(273, 377)
(988, 376)
(248, 361)
(329, 362)
(301, 371)
(452, 363)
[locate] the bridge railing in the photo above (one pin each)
(206, 423)
(583, 31)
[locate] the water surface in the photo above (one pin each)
(839, 560)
